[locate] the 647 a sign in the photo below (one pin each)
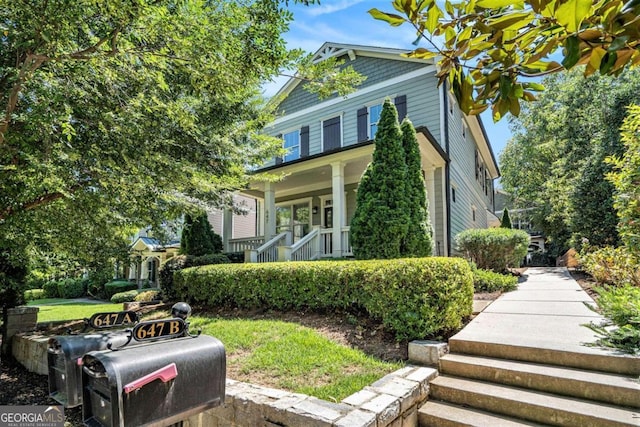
(112, 319)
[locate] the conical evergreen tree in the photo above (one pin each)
(381, 218)
(505, 222)
(418, 241)
(198, 238)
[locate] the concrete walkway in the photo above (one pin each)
(546, 315)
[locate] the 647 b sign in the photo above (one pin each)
(167, 328)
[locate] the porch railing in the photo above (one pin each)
(247, 243)
(326, 242)
(268, 252)
(306, 249)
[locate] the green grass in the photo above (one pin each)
(293, 357)
(54, 309)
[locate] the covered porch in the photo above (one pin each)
(306, 213)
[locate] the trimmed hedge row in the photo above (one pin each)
(416, 298)
(118, 286)
(494, 249)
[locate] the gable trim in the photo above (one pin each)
(417, 73)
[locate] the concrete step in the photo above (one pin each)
(441, 414)
(532, 406)
(603, 387)
(587, 358)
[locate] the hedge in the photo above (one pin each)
(148, 294)
(415, 298)
(494, 249)
(490, 281)
(117, 286)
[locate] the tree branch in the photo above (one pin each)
(36, 203)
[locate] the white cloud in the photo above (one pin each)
(324, 9)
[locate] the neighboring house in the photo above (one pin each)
(147, 255)
(521, 220)
(307, 214)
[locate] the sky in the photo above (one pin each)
(347, 21)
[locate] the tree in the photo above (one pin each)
(505, 221)
(119, 115)
(490, 47)
(198, 237)
(559, 142)
(418, 241)
(625, 177)
(380, 221)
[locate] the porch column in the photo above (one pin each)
(227, 228)
(269, 211)
(339, 209)
(430, 184)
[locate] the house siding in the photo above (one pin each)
(469, 191)
(438, 221)
(422, 109)
(376, 70)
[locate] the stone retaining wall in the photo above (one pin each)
(20, 319)
(391, 401)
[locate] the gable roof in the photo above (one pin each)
(154, 245)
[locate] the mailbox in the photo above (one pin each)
(65, 354)
(153, 384)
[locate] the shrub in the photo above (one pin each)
(127, 296)
(415, 298)
(112, 288)
(148, 295)
(494, 249)
(180, 262)
(621, 306)
(97, 280)
(235, 257)
(490, 281)
(51, 289)
(613, 266)
(505, 221)
(34, 294)
(71, 288)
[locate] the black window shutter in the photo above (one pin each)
(363, 124)
(304, 141)
(278, 158)
(331, 134)
(401, 106)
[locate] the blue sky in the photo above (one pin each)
(347, 21)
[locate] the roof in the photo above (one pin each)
(155, 245)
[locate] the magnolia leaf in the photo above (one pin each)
(623, 57)
(618, 43)
(422, 4)
(433, 16)
(448, 7)
(498, 4)
(571, 13)
(390, 18)
(515, 20)
(421, 53)
(572, 52)
(514, 106)
(534, 86)
(608, 61)
(594, 61)
(590, 34)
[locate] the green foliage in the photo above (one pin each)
(494, 249)
(13, 274)
(148, 295)
(381, 219)
(198, 237)
(490, 281)
(621, 306)
(179, 262)
(51, 289)
(418, 240)
(488, 49)
(413, 297)
(117, 286)
(626, 181)
(611, 266)
(126, 296)
(505, 221)
(71, 288)
(34, 294)
(552, 167)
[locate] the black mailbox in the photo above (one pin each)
(65, 354)
(154, 384)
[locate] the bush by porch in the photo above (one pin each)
(415, 298)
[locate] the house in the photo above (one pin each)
(307, 214)
(521, 219)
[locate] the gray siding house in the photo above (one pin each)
(306, 215)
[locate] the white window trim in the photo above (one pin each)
(298, 129)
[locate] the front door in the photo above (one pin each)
(294, 218)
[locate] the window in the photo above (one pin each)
(473, 213)
(332, 133)
(292, 145)
(374, 118)
(453, 194)
(464, 129)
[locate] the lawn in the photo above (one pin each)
(272, 353)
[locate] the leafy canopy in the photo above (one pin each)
(486, 49)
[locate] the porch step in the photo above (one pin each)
(616, 363)
(603, 387)
(530, 405)
(441, 414)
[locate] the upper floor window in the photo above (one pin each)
(374, 118)
(292, 145)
